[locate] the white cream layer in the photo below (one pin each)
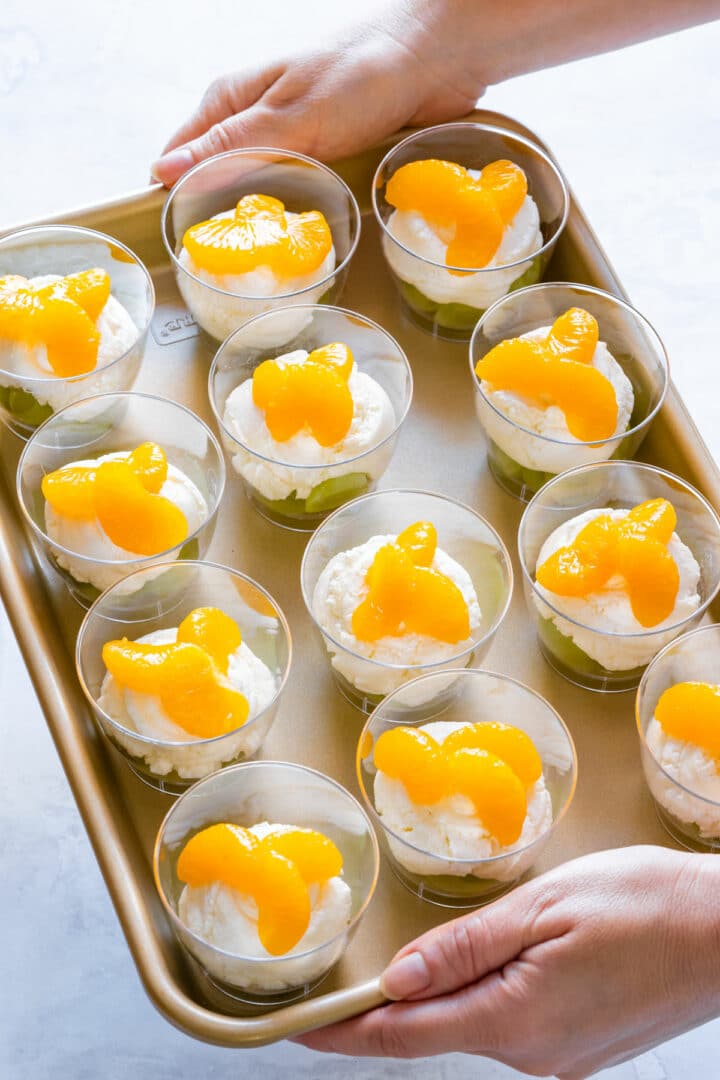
(608, 611)
(144, 714)
(373, 420)
(450, 829)
(33, 373)
(690, 766)
(227, 920)
(536, 453)
(88, 538)
(257, 291)
(522, 238)
(342, 586)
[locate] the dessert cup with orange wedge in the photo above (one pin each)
(468, 213)
(265, 870)
(465, 797)
(564, 375)
(313, 423)
(186, 681)
(618, 559)
(75, 307)
(400, 583)
(117, 483)
(252, 230)
(678, 718)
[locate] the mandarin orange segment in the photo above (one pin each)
(267, 871)
(490, 764)
(132, 517)
(60, 316)
(313, 395)
(415, 758)
(574, 336)
(192, 687)
(537, 371)
(635, 547)
(260, 233)
(406, 596)
(70, 490)
(214, 631)
(232, 856)
(317, 858)
(510, 744)
(446, 195)
(690, 712)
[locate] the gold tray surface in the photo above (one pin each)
(315, 726)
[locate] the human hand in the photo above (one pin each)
(577, 970)
(413, 67)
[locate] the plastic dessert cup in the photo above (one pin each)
(105, 424)
(26, 402)
(479, 696)
(612, 484)
(472, 145)
(309, 493)
(463, 534)
(172, 766)
(522, 460)
(691, 819)
(215, 186)
(279, 793)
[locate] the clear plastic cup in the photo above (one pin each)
(683, 781)
(156, 604)
(27, 400)
(480, 696)
(111, 423)
(221, 303)
(449, 300)
(279, 793)
(464, 535)
(594, 658)
(522, 460)
(301, 496)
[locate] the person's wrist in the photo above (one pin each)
(704, 877)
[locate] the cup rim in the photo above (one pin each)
(143, 561)
(175, 743)
(472, 673)
(427, 669)
(642, 689)
(175, 918)
(355, 215)
(617, 438)
(478, 127)
(55, 380)
(309, 469)
(645, 467)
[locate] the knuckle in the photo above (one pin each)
(389, 1040)
(221, 137)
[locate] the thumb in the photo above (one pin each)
(464, 950)
(258, 126)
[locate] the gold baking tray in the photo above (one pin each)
(442, 447)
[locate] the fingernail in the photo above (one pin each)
(405, 977)
(172, 166)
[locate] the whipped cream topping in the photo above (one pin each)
(450, 829)
(89, 539)
(692, 767)
(373, 420)
(535, 453)
(342, 586)
(227, 920)
(608, 611)
(521, 239)
(256, 292)
(144, 714)
(29, 364)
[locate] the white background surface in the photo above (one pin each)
(88, 94)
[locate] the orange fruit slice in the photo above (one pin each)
(690, 712)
